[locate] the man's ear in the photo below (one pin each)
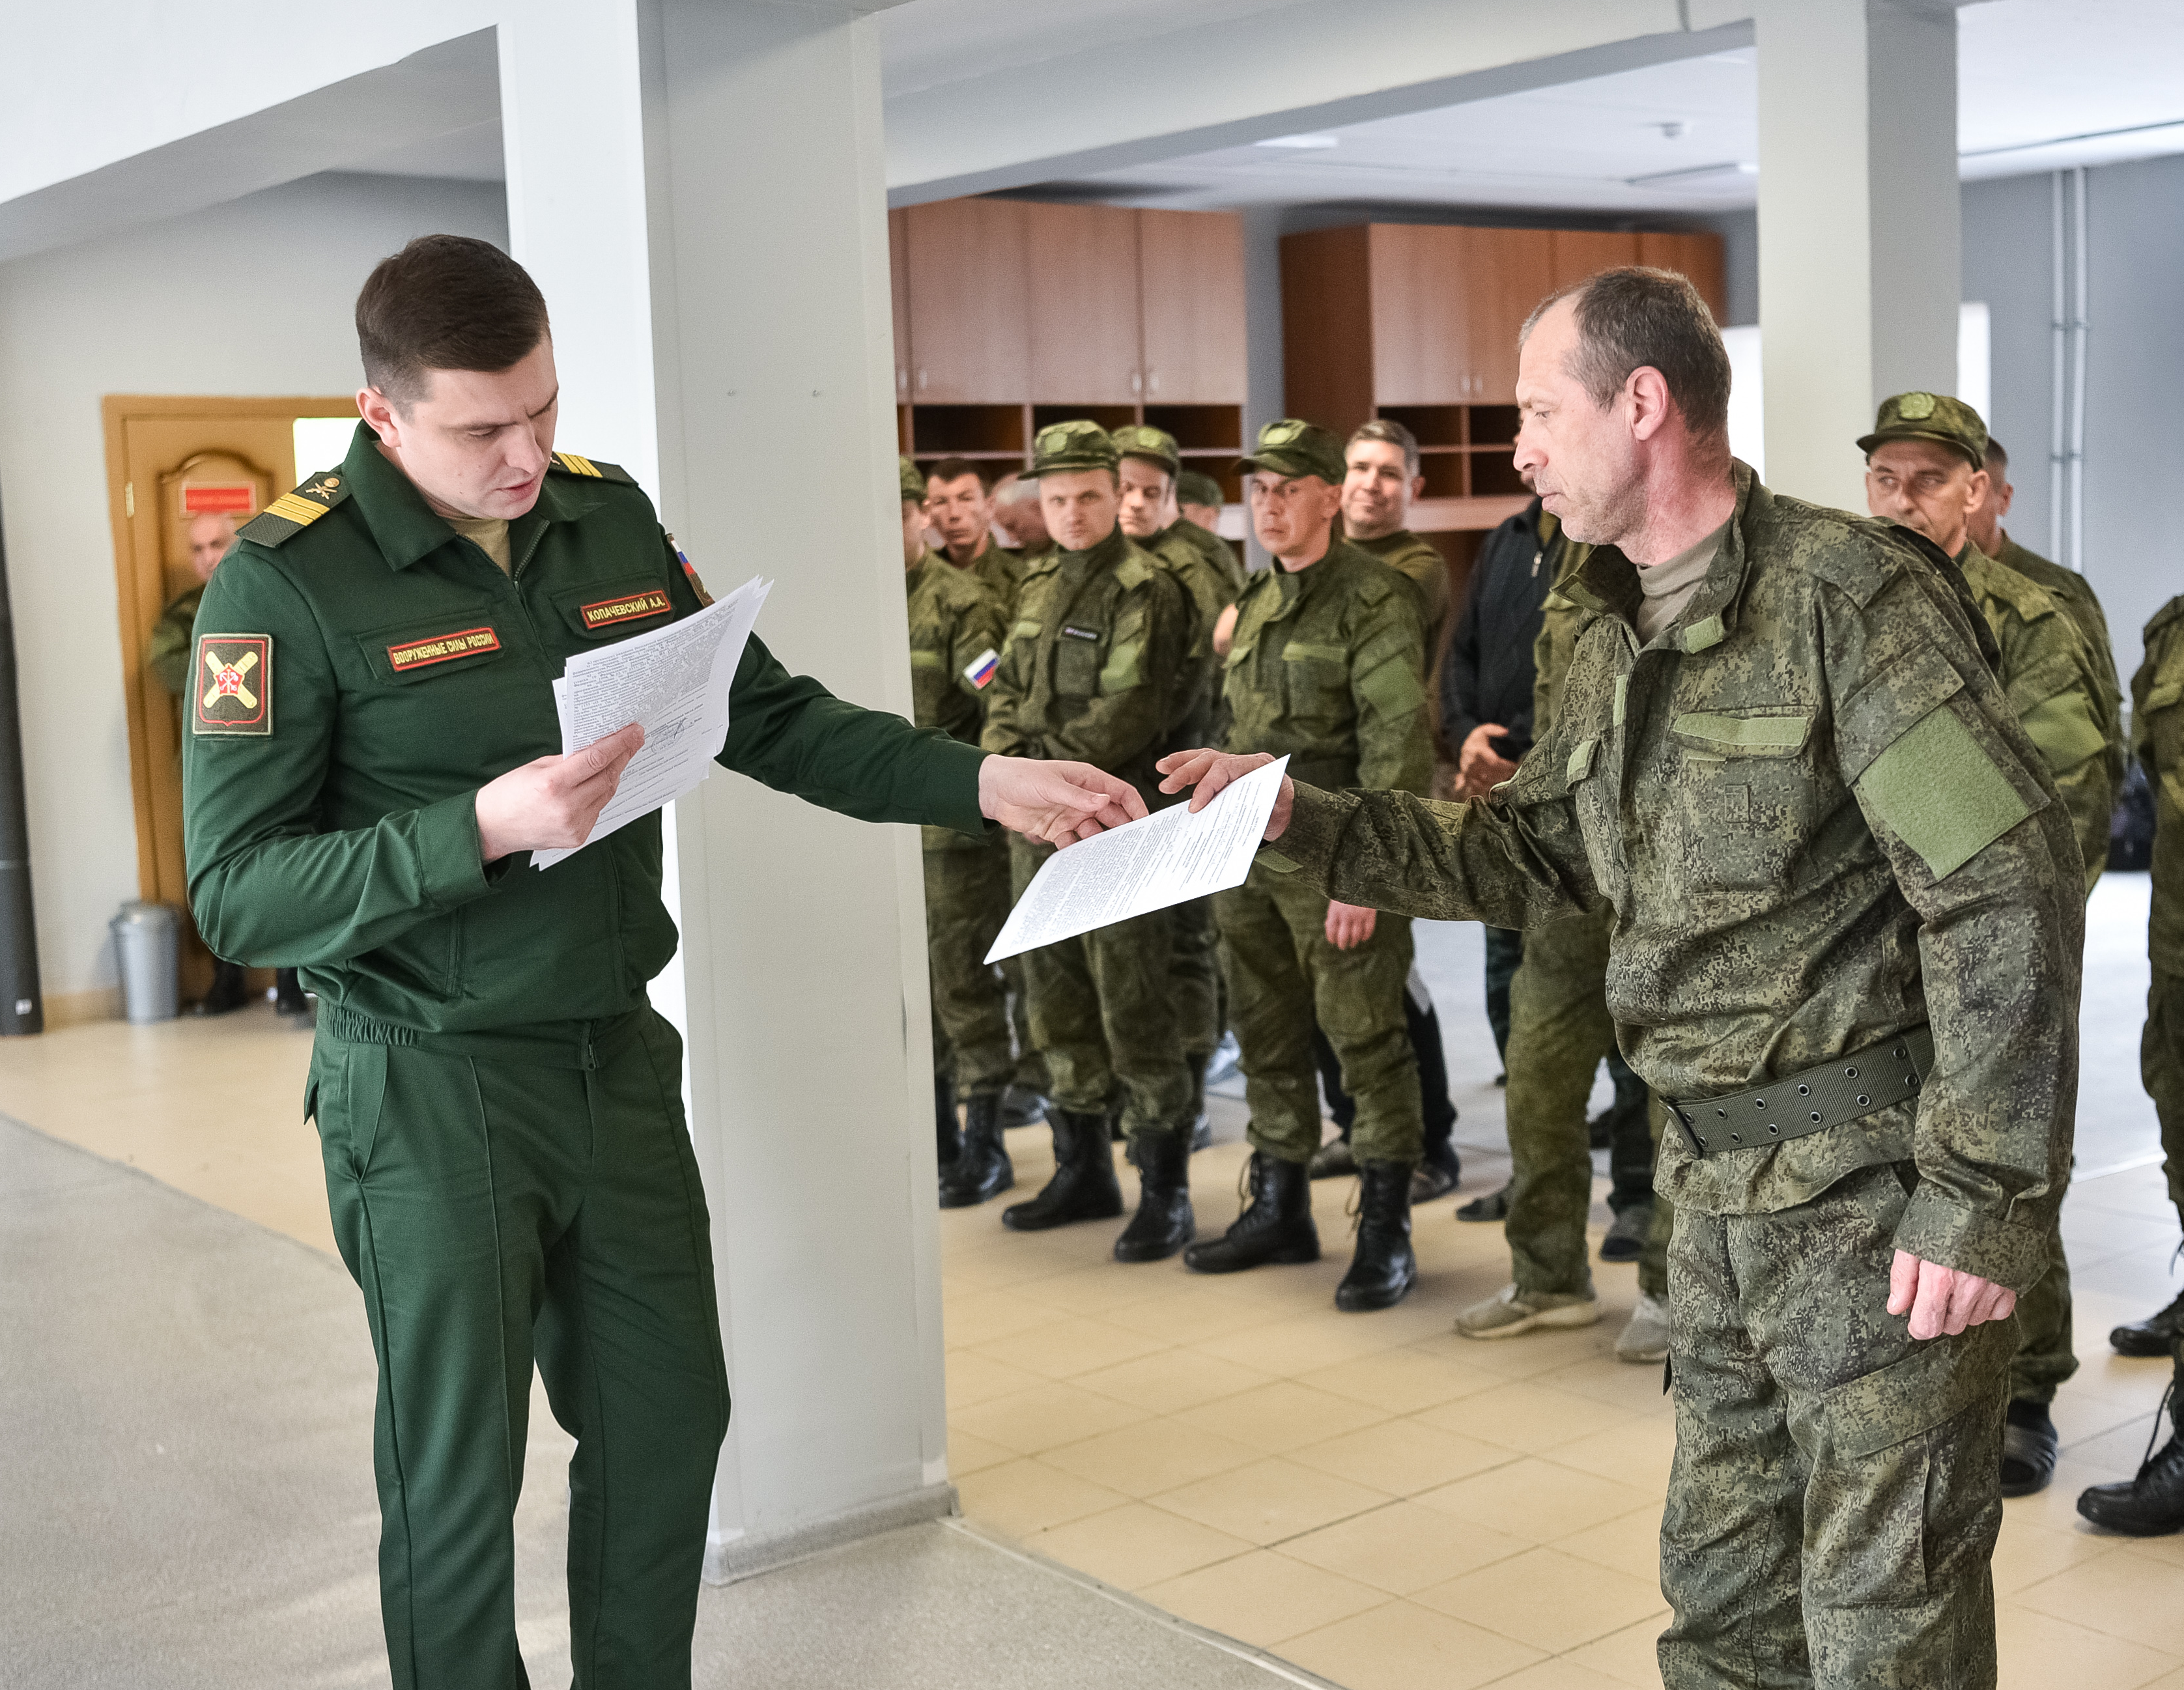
(1646, 392)
(379, 415)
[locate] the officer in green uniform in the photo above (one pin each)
(959, 503)
(1381, 478)
(372, 756)
(1926, 468)
(1325, 668)
(956, 627)
(2153, 1503)
(1846, 951)
(1097, 666)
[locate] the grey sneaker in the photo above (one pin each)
(1645, 1338)
(1626, 1235)
(1510, 1311)
(1333, 1160)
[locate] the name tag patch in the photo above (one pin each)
(442, 648)
(1080, 633)
(232, 685)
(631, 607)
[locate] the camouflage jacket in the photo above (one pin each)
(2157, 727)
(1210, 591)
(1427, 571)
(956, 627)
(2075, 593)
(1560, 619)
(2049, 679)
(167, 652)
(1092, 663)
(998, 569)
(1325, 671)
(1817, 823)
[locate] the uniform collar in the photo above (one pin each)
(404, 527)
(1606, 582)
(1108, 551)
(915, 572)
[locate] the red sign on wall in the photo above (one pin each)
(200, 497)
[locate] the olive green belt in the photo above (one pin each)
(1813, 1100)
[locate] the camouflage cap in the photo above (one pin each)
(1291, 447)
(1929, 416)
(1194, 487)
(912, 479)
(1154, 444)
(1078, 445)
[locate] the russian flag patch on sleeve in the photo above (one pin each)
(982, 668)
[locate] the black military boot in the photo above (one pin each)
(2029, 1444)
(2156, 1335)
(2152, 1505)
(982, 1167)
(1384, 1268)
(1083, 1185)
(227, 993)
(1163, 1223)
(1275, 1226)
(946, 1140)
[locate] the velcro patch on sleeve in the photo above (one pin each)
(442, 648)
(1937, 790)
(631, 607)
(980, 673)
(231, 692)
(1393, 689)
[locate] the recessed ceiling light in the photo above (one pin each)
(1301, 143)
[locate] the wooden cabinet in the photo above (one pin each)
(1696, 256)
(1190, 294)
(1083, 265)
(1510, 271)
(1580, 253)
(969, 336)
(899, 296)
(1421, 322)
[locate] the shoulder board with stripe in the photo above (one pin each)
(595, 469)
(292, 513)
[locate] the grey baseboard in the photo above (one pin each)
(748, 1555)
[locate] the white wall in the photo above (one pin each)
(250, 298)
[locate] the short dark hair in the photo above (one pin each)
(1634, 317)
(1996, 458)
(445, 302)
(955, 469)
(1391, 432)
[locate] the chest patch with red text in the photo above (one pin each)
(631, 607)
(230, 685)
(415, 655)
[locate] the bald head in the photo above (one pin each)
(210, 534)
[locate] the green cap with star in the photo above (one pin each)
(1079, 445)
(1154, 444)
(1929, 416)
(912, 479)
(1291, 448)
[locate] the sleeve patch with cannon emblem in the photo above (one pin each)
(232, 685)
(633, 607)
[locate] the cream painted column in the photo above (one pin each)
(1860, 227)
(804, 932)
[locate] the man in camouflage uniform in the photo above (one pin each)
(959, 505)
(2153, 1503)
(1926, 468)
(1094, 666)
(1379, 479)
(1325, 668)
(1210, 575)
(1198, 496)
(1847, 924)
(956, 633)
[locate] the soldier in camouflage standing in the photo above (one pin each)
(1926, 468)
(1848, 921)
(1325, 668)
(1095, 665)
(2153, 1503)
(956, 627)
(958, 504)
(1381, 478)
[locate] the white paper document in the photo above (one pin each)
(1170, 857)
(675, 681)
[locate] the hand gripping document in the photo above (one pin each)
(673, 681)
(1171, 857)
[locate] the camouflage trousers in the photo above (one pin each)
(1282, 971)
(2161, 1071)
(2045, 1356)
(1836, 1492)
(1102, 1014)
(1195, 973)
(1559, 1033)
(1031, 1067)
(966, 899)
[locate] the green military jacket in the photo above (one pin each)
(2076, 594)
(998, 569)
(1560, 619)
(167, 652)
(2157, 726)
(1325, 671)
(1427, 571)
(1817, 823)
(2049, 679)
(378, 670)
(956, 627)
(1095, 663)
(1210, 592)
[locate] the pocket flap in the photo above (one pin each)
(1303, 651)
(1778, 733)
(1936, 1382)
(1581, 761)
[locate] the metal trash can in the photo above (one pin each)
(146, 937)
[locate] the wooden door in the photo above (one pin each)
(969, 337)
(899, 295)
(1580, 253)
(166, 459)
(1697, 256)
(1086, 342)
(1190, 290)
(1508, 273)
(1421, 313)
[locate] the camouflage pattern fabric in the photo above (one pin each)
(1427, 571)
(954, 623)
(1802, 1407)
(999, 570)
(1207, 591)
(1282, 972)
(1031, 1067)
(2157, 718)
(2075, 593)
(167, 652)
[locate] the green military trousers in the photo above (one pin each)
(1282, 971)
(1194, 978)
(2045, 1354)
(2161, 1071)
(1836, 1492)
(966, 899)
(1103, 1015)
(1559, 1031)
(496, 1212)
